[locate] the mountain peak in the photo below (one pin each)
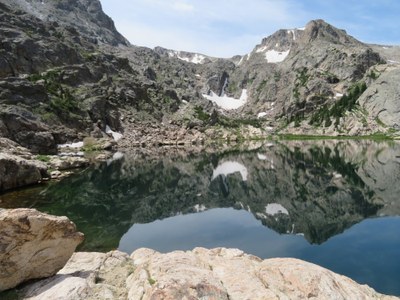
(321, 30)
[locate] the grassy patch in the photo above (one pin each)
(43, 158)
(90, 144)
(299, 137)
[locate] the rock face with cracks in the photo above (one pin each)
(199, 274)
(33, 245)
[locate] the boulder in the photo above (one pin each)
(33, 245)
(67, 162)
(199, 274)
(231, 274)
(16, 171)
(18, 167)
(86, 276)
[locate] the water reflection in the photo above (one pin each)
(304, 192)
(317, 189)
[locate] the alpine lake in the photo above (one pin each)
(331, 202)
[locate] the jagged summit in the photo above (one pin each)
(86, 16)
(323, 31)
(276, 47)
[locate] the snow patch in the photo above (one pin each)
(116, 135)
(196, 59)
(226, 102)
(241, 60)
(72, 145)
(337, 175)
(230, 167)
(273, 56)
(261, 114)
(72, 154)
(199, 208)
(293, 32)
(273, 209)
(392, 61)
(338, 95)
(116, 156)
(261, 49)
(261, 216)
(262, 156)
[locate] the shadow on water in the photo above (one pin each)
(296, 199)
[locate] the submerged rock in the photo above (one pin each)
(33, 245)
(199, 274)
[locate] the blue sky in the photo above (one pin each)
(224, 28)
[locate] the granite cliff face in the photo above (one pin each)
(86, 16)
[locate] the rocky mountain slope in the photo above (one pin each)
(67, 74)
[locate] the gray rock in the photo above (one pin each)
(16, 171)
(382, 99)
(84, 16)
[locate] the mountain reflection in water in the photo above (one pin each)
(306, 193)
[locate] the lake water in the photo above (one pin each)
(334, 203)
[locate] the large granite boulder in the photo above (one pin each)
(198, 274)
(33, 245)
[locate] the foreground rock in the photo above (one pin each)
(198, 274)
(33, 245)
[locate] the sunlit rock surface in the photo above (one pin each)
(33, 245)
(199, 274)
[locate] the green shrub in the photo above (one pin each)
(201, 114)
(346, 103)
(43, 158)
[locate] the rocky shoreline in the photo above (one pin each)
(36, 245)
(20, 166)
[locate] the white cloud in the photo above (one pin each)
(182, 6)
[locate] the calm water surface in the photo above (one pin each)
(334, 203)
